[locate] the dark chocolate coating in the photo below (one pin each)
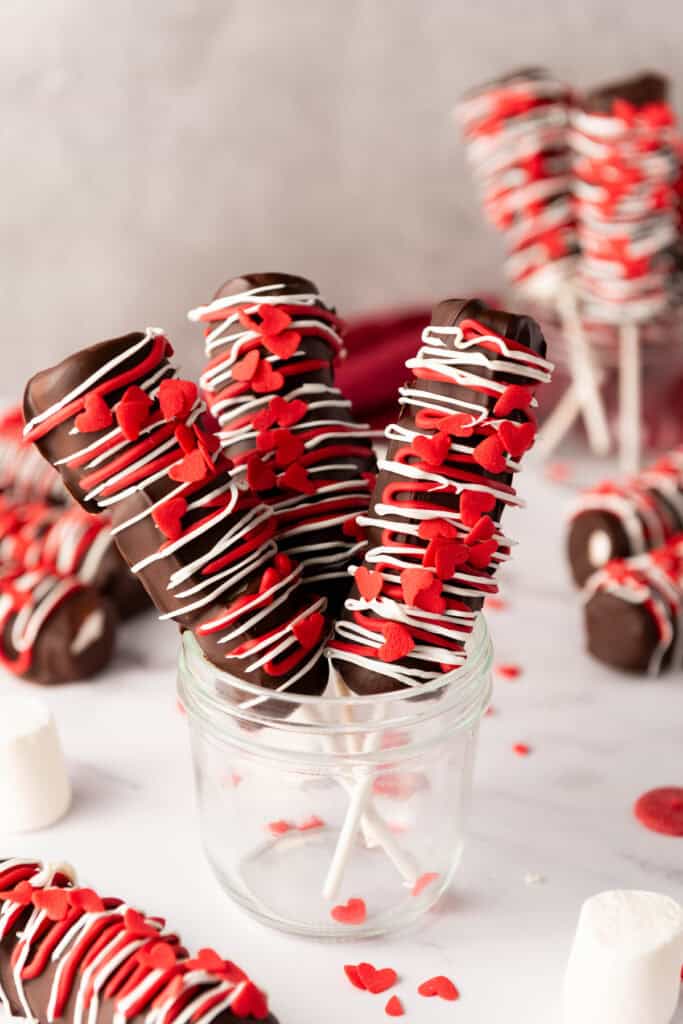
(619, 633)
(335, 590)
(53, 659)
(582, 528)
(640, 90)
(449, 313)
(144, 537)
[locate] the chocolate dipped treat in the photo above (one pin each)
(516, 136)
(627, 166)
(69, 542)
(633, 610)
(434, 537)
(23, 474)
(271, 344)
(619, 519)
(53, 628)
(68, 954)
(126, 434)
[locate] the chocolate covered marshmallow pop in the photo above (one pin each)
(633, 608)
(622, 518)
(68, 954)
(434, 536)
(23, 474)
(272, 344)
(126, 434)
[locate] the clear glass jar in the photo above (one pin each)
(340, 816)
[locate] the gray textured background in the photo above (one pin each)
(154, 147)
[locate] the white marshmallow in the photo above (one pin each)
(34, 785)
(625, 964)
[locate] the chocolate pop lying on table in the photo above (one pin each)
(621, 518)
(434, 537)
(126, 434)
(272, 344)
(68, 954)
(633, 610)
(23, 474)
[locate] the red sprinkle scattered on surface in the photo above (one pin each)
(278, 828)
(490, 711)
(560, 472)
(440, 986)
(351, 972)
(394, 1007)
(310, 823)
(495, 604)
(522, 749)
(508, 671)
(424, 881)
(374, 980)
(353, 911)
(661, 810)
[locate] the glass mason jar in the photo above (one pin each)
(336, 816)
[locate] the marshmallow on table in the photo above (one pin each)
(625, 963)
(34, 785)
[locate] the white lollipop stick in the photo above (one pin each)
(585, 378)
(629, 397)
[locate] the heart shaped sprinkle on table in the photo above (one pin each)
(96, 414)
(394, 1007)
(440, 986)
(521, 749)
(507, 670)
(279, 828)
(351, 972)
(353, 912)
(374, 980)
(661, 810)
(423, 882)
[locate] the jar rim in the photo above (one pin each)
(468, 688)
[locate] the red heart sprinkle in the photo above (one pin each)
(517, 438)
(282, 345)
(445, 556)
(474, 504)
(311, 823)
(394, 1007)
(514, 397)
(397, 642)
(279, 828)
(249, 1001)
(481, 554)
(430, 599)
(353, 911)
(96, 414)
(431, 528)
(458, 424)
(271, 319)
(424, 881)
(271, 577)
(431, 450)
(21, 894)
(413, 581)
(284, 564)
(352, 974)
(661, 810)
(266, 379)
(439, 986)
(309, 630)
(266, 418)
(191, 469)
(168, 517)
(522, 749)
(495, 604)
(489, 454)
(508, 671)
(351, 528)
(376, 981)
(483, 529)
(185, 437)
(159, 956)
(244, 369)
(177, 398)
(260, 475)
(86, 900)
(265, 440)
(132, 412)
(206, 960)
(289, 413)
(288, 449)
(369, 583)
(55, 902)
(296, 478)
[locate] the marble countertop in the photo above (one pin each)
(564, 813)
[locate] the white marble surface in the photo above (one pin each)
(598, 741)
